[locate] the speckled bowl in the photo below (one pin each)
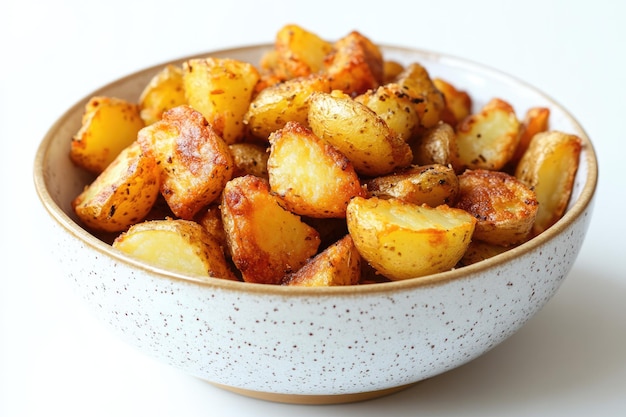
(324, 345)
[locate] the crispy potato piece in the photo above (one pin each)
(339, 264)
(549, 166)
(358, 132)
(355, 64)
(276, 105)
(504, 206)
(437, 146)
(194, 162)
(164, 91)
(536, 120)
(312, 177)
(265, 240)
(394, 107)
(211, 220)
(391, 70)
(176, 245)
(433, 185)
(488, 139)
(109, 125)
(479, 251)
(402, 240)
(458, 103)
(249, 158)
(428, 100)
(123, 194)
(298, 53)
(221, 89)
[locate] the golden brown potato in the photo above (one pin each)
(312, 177)
(536, 120)
(355, 64)
(394, 107)
(194, 162)
(415, 81)
(433, 185)
(391, 70)
(504, 206)
(358, 132)
(402, 240)
(164, 91)
(458, 103)
(221, 89)
(339, 264)
(549, 166)
(437, 145)
(488, 139)
(249, 158)
(109, 125)
(479, 251)
(211, 219)
(181, 246)
(298, 53)
(123, 194)
(265, 240)
(276, 105)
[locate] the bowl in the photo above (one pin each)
(316, 345)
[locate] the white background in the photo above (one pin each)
(569, 360)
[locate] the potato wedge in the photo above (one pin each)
(339, 264)
(311, 176)
(358, 132)
(355, 64)
(549, 166)
(298, 53)
(265, 240)
(123, 194)
(402, 240)
(394, 107)
(488, 139)
(109, 125)
(437, 145)
(276, 105)
(211, 219)
(249, 158)
(458, 103)
(433, 185)
(504, 206)
(429, 102)
(221, 89)
(176, 245)
(536, 120)
(194, 162)
(164, 91)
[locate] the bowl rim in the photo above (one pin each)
(78, 232)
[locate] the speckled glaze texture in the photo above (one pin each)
(317, 345)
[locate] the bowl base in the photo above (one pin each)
(314, 399)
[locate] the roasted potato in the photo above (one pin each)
(339, 264)
(122, 195)
(549, 166)
(429, 102)
(358, 132)
(266, 241)
(221, 89)
(458, 103)
(311, 176)
(109, 125)
(479, 251)
(437, 145)
(194, 162)
(391, 70)
(354, 65)
(433, 185)
(402, 240)
(181, 246)
(249, 158)
(504, 206)
(394, 107)
(488, 139)
(277, 104)
(211, 219)
(164, 91)
(536, 120)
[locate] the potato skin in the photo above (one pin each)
(164, 91)
(312, 177)
(176, 245)
(194, 162)
(265, 240)
(123, 194)
(249, 158)
(437, 145)
(109, 125)
(402, 240)
(504, 206)
(429, 102)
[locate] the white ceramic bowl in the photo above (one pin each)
(316, 345)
